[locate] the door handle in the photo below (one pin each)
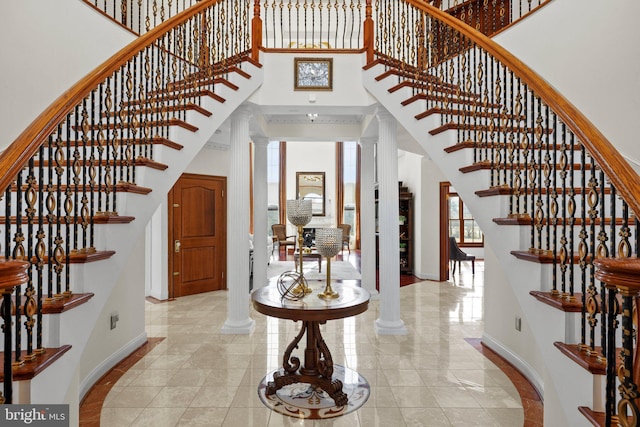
(176, 246)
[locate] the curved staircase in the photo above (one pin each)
(83, 181)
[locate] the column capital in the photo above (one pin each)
(368, 141)
(243, 112)
(384, 115)
(260, 140)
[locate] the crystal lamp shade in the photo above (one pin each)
(328, 241)
(299, 211)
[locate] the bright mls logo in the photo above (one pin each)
(34, 415)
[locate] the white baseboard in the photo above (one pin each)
(521, 365)
(110, 362)
(423, 276)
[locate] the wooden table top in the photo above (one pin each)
(352, 300)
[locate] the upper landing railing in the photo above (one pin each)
(314, 24)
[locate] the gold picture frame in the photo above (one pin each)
(313, 73)
(311, 186)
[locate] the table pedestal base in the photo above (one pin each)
(303, 400)
(317, 369)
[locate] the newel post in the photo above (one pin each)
(623, 275)
(368, 32)
(256, 31)
(12, 273)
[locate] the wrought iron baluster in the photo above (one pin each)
(583, 252)
(609, 350)
(41, 246)
(562, 255)
(594, 306)
(18, 253)
(69, 208)
(552, 196)
(29, 305)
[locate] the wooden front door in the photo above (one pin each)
(197, 232)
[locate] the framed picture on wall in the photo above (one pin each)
(313, 73)
(310, 185)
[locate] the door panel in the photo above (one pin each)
(198, 232)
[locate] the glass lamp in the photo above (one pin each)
(299, 214)
(328, 244)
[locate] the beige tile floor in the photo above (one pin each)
(429, 377)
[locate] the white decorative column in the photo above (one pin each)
(238, 320)
(260, 206)
(367, 217)
(389, 322)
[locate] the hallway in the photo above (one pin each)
(434, 376)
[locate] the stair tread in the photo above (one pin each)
(97, 219)
(484, 128)
(152, 123)
(467, 101)
(526, 220)
(484, 165)
(595, 418)
(583, 359)
(156, 140)
(501, 190)
(140, 161)
(83, 257)
(505, 145)
(125, 187)
(543, 258)
(559, 302)
(469, 113)
(186, 94)
(187, 106)
(63, 303)
(29, 370)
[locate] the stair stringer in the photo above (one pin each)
(563, 385)
(69, 378)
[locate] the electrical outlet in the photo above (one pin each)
(518, 323)
(114, 319)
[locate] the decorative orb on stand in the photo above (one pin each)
(291, 286)
(299, 214)
(328, 244)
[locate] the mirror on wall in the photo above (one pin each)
(310, 185)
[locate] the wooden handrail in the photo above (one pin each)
(27, 143)
(623, 177)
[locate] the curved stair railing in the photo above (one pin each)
(489, 16)
(62, 176)
(562, 177)
(140, 16)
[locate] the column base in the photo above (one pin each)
(241, 327)
(382, 327)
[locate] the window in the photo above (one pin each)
(349, 181)
(273, 183)
(462, 225)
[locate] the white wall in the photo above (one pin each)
(35, 69)
(279, 72)
(210, 161)
(588, 51)
(127, 300)
(499, 322)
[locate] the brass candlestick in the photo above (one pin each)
(299, 214)
(328, 244)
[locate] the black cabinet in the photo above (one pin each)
(405, 224)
